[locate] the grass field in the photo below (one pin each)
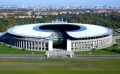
(59, 66)
(118, 42)
(7, 50)
(97, 52)
(105, 51)
(59, 44)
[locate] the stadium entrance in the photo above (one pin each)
(60, 44)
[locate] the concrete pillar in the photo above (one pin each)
(28, 44)
(73, 45)
(16, 43)
(77, 45)
(95, 44)
(103, 42)
(34, 45)
(50, 45)
(19, 43)
(92, 44)
(41, 45)
(31, 45)
(25, 44)
(100, 43)
(44, 46)
(87, 45)
(37, 45)
(69, 45)
(84, 45)
(80, 45)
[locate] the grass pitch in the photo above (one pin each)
(59, 66)
(98, 52)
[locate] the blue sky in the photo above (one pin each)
(59, 2)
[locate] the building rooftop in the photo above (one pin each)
(33, 30)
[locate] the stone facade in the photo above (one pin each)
(29, 43)
(82, 45)
(47, 45)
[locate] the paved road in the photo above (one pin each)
(115, 38)
(97, 56)
(21, 56)
(44, 56)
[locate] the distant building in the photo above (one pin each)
(52, 13)
(38, 16)
(100, 11)
(63, 12)
(24, 16)
(1, 17)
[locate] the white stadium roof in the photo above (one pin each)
(86, 30)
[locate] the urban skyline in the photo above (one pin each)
(60, 2)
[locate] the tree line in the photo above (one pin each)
(111, 20)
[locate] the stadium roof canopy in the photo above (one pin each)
(78, 31)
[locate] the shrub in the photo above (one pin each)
(116, 50)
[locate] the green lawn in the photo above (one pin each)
(118, 41)
(7, 50)
(106, 51)
(59, 44)
(55, 42)
(97, 52)
(59, 66)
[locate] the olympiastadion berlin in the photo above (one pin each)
(78, 37)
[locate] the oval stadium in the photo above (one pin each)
(71, 36)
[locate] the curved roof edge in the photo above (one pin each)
(86, 30)
(78, 33)
(37, 33)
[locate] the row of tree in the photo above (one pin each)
(108, 20)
